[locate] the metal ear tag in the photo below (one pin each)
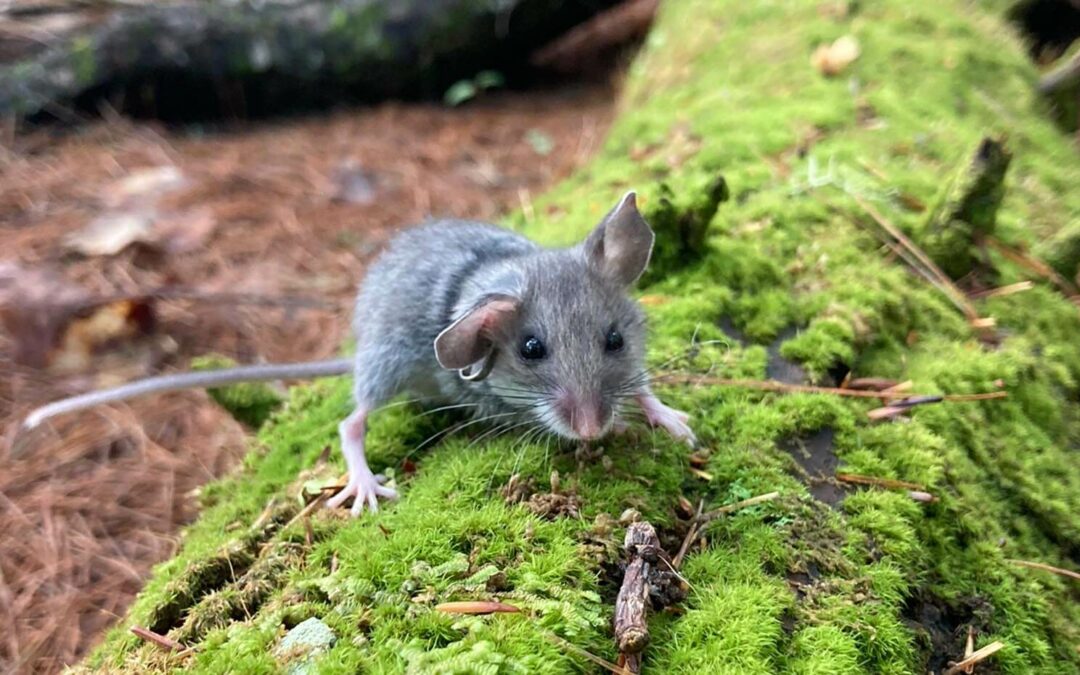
(479, 370)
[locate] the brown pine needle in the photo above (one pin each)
(880, 482)
(954, 293)
(1034, 265)
(1046, 568)
(157, 639)
(571, 647)
(978, 656)
(1002, 291)
(773, 385)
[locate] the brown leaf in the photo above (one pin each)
(833, 59)
(475, 607)
(111, 233)
(105, 324)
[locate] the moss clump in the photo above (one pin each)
(249, 402)
(870, 582)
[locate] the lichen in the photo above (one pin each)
(875, 582)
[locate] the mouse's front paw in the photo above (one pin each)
(671, 420)
(364, 488)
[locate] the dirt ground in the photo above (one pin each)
(261, 233)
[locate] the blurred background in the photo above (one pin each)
(192, 178)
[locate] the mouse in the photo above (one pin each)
(477, 316)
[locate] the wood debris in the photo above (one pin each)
(976, 657)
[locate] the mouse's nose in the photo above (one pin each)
(582, 415)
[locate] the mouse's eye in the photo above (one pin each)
(532, 349)
(613, 342)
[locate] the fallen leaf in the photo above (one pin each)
(104, 324)
(143, 185)
(35, 307)
(111, 233)
(475, 607)
(833, 59)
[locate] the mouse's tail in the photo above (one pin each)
(197, 380)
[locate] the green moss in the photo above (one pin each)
(250, 402)
(794, 585)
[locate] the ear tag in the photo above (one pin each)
(479, 370)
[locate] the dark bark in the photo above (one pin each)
(216, 58)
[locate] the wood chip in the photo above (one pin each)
(978, 656)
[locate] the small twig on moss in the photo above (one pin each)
(880, 482)
(571, 647)
(1046, 568)
(1061, 77)
(157, 639)
(1034, 265)
(929, 267)
(1002, 291)
(731, 508)
(691, 535)
(969, 649)
(773, 385)
(976, 657)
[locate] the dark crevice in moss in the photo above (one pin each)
(942, 626)
(816, 456)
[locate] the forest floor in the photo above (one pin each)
(259, 234)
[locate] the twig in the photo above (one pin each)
(880, 482)
(1061, 77)
(1002, 291)
(955, 294)
(631, 630)
(1034, 265)
(773, 385)
(975, 658)
(730, 508)
(1046, 568)
(691, 535)
(571, 647)
(157, 639)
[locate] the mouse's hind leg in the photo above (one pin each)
(363, 486)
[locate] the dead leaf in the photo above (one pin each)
(104, 325)
(833, 59)
(145, 185)
(111, 233)
(475, 607)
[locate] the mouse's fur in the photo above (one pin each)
(444, 312)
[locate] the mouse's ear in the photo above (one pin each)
(470, 339)
(621, 244)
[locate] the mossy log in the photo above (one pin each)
(858, 578)
(192, 58)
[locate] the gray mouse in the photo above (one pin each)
(477, 316)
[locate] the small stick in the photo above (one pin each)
(1033, 264)
(773, 385)
(969, 649)
(631, 631)
(753, 501)
(1046, 568)
(1002, 291)
(691, 535)
(957, 295)
(881, 482)
(157, 639)
(978, 656)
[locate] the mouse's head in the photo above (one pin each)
(563, 342)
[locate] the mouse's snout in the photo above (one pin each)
(584, 416)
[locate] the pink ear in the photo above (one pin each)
(620, 246)
(469, 339)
